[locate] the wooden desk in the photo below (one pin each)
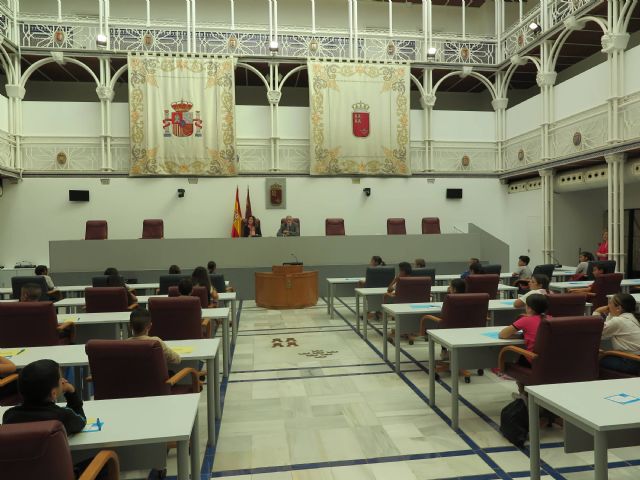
(286, 286)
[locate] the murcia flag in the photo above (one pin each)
(236, 228)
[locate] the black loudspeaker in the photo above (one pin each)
(454, 193)
(78, 195)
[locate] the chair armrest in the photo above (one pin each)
(104, 458)
(512, 348)
(206, 327)
(8, 379)
(617, 353)
(195, 383)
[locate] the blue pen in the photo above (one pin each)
(99, 423)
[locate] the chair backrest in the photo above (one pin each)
(96, 230)
(424, 272)
(169, 280)
(176, 318)
(485, 283)
(127, 368)
(106, 299)
(199, 292)
(28, 324)
(609, 266)
(173, 291)
(546, 269)
(567, 349)
(334, 226)
(492, 269)
(396, 226)
(604, 285)
(217, 282)
(430, 225)
(379, 276)
(413, 290)
(153, 228)
(35, 450)
(566, 305)
(103, 280)
(294, 219)
(18, 282)
(464, 310)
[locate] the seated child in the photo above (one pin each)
(40, 383)
(30, 292)
(404, 270)
(623, 328)
(53, 292)
(140, 325)
(538, 283)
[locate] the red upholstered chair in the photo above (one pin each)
(486, 283)
(134, 368)
(96, 230)
(608, 374)
(35, 450)
(396, 226)
(430, 225)
(173, 291)
(566, 350)
(153, 228)
(413, 290)
(177, 318)
(566, 305)
(30, 324)
(334, 226)
(604, 284)
(106, 299)
(197, 291)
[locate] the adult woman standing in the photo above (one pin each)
(603, 248)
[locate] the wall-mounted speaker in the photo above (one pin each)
(78, 195)
(454, 193)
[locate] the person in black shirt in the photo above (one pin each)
(40, 384)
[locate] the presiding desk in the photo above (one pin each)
(286, 286)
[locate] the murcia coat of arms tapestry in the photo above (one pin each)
(359, 118)
(182, 115)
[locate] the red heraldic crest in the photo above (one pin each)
(360, 119)
(181, 120)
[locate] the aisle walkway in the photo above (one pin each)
(309, 399)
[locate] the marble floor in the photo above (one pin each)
(309, 399)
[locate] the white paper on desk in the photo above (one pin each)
(623, 398)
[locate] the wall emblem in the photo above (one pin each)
(360, 119)
(577, 138)
(147, 39)
(466, 161)
(58, 36)
(464, 53)
(391, 49)
(521, 155)
(182, 120)
(61, 158)
(275, 194)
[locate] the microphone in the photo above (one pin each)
(294, 257)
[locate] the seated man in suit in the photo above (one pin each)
(289, 228)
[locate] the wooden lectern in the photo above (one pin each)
(286, 286)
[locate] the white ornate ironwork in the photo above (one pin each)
(148, 40)
(630, 110)
(294, 156)
(449, 156)
(417, 155)
(254, 155)
(561, 9)
(520, 35)
(120, 154)
(522, 150)
(82, 154)
(590, 126)
(4, 25)
(59, 36)
(5, 150)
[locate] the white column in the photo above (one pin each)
(273, 96)
(500, 107)
(614, 45)
(546, 80)
(547, 177)
(105, 94)
(615, 201)
(16, 95)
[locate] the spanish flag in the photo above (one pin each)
(236, 228)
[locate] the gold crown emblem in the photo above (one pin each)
(360, 107)
(182, 106)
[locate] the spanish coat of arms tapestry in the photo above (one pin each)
(359, 119)
(182, 115)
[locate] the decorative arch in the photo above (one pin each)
(418, 84)
(556, 48)
(117, 75)
(299, 68)
(512, 69)
(484, 80)
(5, 60)
(253, 69)
(45, 61)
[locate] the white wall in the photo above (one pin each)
(463, 126)
(4, 113)
(523, 220)
(584, 91)
(524, 117)
(207, 208)
(70, 119)
(631, 77)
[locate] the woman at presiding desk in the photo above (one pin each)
(251, 228)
